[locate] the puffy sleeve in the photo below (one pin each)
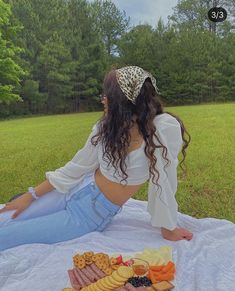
(163, 207)
(72, 173)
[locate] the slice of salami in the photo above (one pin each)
(83, 276)
(88, 274)
(130, 287)
(100, 273)
(79, 278)
(92, 274)
(73, 280)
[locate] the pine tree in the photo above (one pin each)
(10, 71)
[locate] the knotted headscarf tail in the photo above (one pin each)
(131, 80)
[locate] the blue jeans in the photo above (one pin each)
(86, 210)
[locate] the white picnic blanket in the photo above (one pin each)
(207, 262)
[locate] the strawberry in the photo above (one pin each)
(119, 260)
(129, 262)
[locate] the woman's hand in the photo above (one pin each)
(19, 204)
(176, 234)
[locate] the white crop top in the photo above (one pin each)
(137, 167)
(163, 208)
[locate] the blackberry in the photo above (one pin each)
(145, 281)
(139, 281)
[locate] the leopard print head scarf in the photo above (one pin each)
(131, 79)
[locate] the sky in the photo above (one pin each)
(146, 11)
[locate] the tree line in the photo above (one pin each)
(54, 54)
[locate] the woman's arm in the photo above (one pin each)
(162, 205)
(43, 188)
(24, 201)
(72, 173)
(62, 179)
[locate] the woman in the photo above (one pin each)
(135, 135)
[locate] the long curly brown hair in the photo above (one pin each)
(114, 127)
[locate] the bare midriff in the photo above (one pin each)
(115, 192)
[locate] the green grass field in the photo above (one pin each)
(32, 146)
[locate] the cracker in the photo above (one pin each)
(113, 280)
(102, 263)
(113, 261)
(125, 272)
(116, 276)
(108, 271)
(115, 267)
(109, 284)
(163, 286)
(88, 254)
(79, 261)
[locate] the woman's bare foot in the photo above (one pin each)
(176, 234)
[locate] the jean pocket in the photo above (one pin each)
(104, 214)
(100, 209)
(91, 209)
